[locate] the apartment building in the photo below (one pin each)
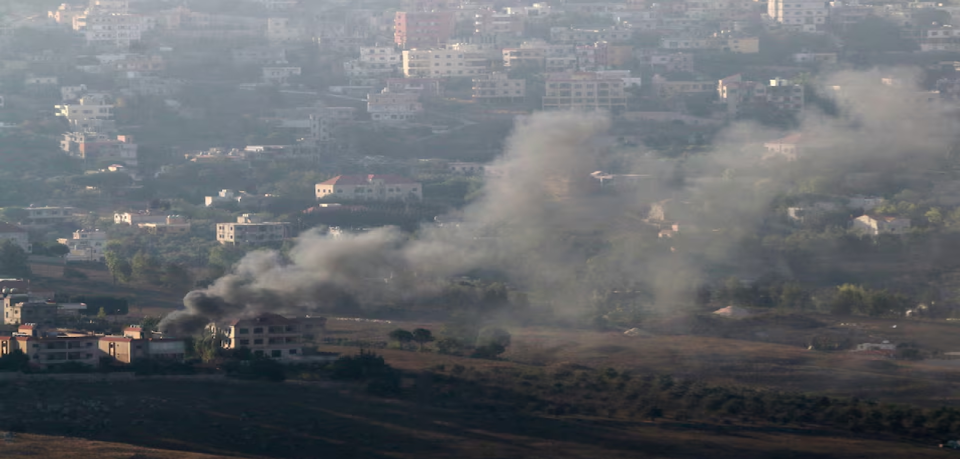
(88, 115)
(86, 245)
(423, 29)
(444, 62)
(574, 36)
(267, 335)
(799, 15)
(584, 91)
(425, 87)
(387, 106)
(372, 187)
(490, 22)
(733, 43)
(286, 30)
(876, 225)
(100, 147)
(738, 94)
(536, 53)
(249, 229)
(381, 55)
(114, 29)
(498, 87)
(16, 234)
(47, 348)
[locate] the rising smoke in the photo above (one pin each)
(541, 222)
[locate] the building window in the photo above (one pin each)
(293, 351)
(244, 342)
(258, 330)
(276, 353)
(244, 331)
(258, 341)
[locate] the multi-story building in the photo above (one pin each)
(570, 35)
(489, 22)
(799, 15)
(385, 55)
(15, 234)
(40, 216)
(536, 53)
(23, 309)
(738, 94)
(425, 87)
(100, 147)
(444, 62)
(664, 61)
(734, 43)
(86, 245)
(389, 106)
(584, 91)
(46, 348)
(88, 115)
(116, 29)
(373, 187)
(250, 230)
(498, 87)
(423, 29)
(269, 335)
(286, 30)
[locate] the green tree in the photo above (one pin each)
(422, 336)
(145, 268)
(849, 298)
(149, 324)
(176, 276)
(57, 250)
(14, 261)
(401, 336)
(102, 314)
(119, 267)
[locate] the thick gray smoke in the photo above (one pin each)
(541, 221)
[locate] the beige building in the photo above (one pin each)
(136, 218)
(87, 115)
(876, 225)
(116, 29)
(174, 224)
(498, 87)
(267, 335)
(444, 62)
(49, 348)
(85, 245)
(388, 106)
(373, 187)
(250, 230)
(22, 309)
(799, 15)
(787, 147)
(584, 91)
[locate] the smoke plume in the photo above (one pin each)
(542, 222)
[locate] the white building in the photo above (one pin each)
(373, 187)
(116, 29)
(392, 106)
(799, 15)
(876, 225)
(86, 245)
(136, 218)
(383, 55)
(249, 229)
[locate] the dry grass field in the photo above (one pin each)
(757, 362)
(158, 419)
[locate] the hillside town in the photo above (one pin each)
(192, 188)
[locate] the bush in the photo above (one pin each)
(365, 365)
(261, 369)
(488, 351)
(449, 345)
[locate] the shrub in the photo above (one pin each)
(488, 351)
